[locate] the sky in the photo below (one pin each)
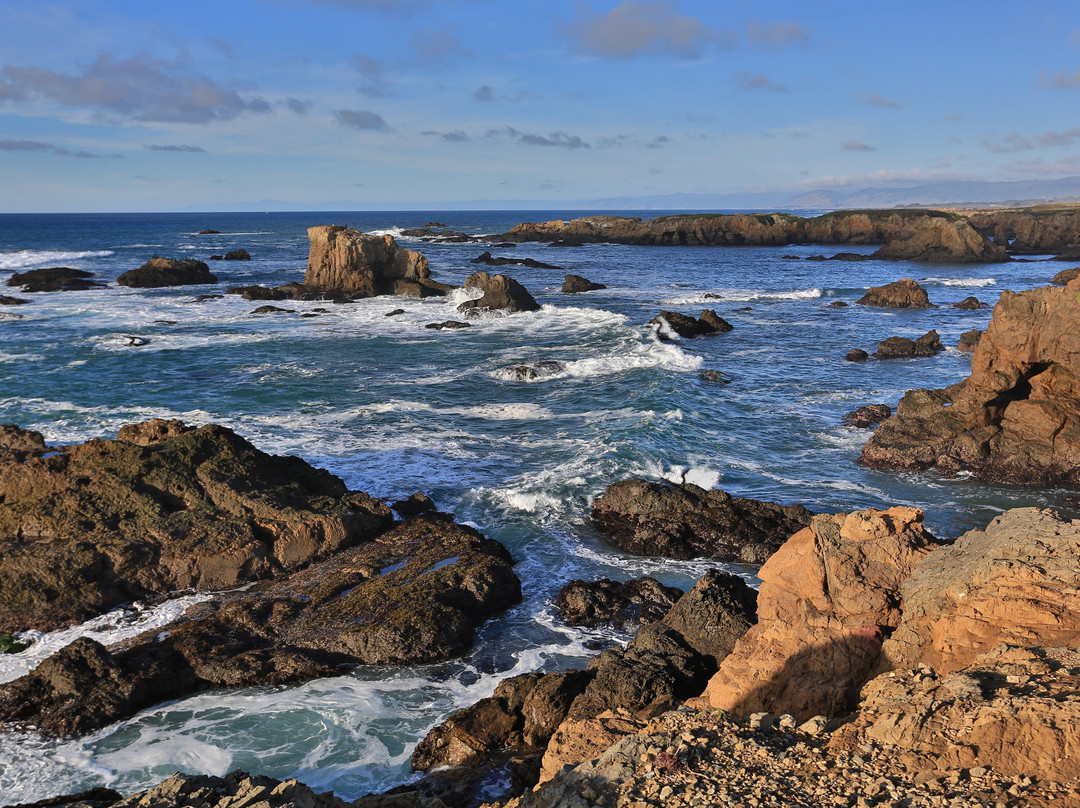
(118, 105)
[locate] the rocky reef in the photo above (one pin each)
(1016, 418)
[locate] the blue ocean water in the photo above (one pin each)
(394, 408)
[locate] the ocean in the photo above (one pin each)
(394, 408)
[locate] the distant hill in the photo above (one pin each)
(1009, 194)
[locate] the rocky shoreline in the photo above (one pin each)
(876, 664)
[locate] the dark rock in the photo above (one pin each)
(94, 798)
(687, 327)
(838, 304)
(489, 260)
(816, 258)
(969, 341)
(163, 507)
(133, 341)
(685, 521)
(970, 303)
(272, 310)
(434, 224)
(902, 294)
(412, 595)
(394, 313)
(719, 324)
(500, 292)
(868, 415)
(714, 376)
(857, 355)
(448, 324)
(238, 255)
(54, 279)
(537, 370)
(607, 602)
(573, 284)
(8, 300)
(425, 287)
(899, 347)
(415, 505)
(1062, 278)
(209, 232)
(850, 256)
(217, 257)
(718, 610)
(159, 272)
(204, 298)
(789, 257)
(257, 292)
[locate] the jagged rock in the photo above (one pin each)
(162, 508)
(857, 355)
(531, 263)
(826, 601)
(238, 255)
(685, 521)
(868, 415)
(714, 614)
(158, 272)
(1062, 278)
(345, 262)
(620, 604)
(1034, 231)
(1015, 710)
(902, 347)
(573, 284)
(54, 279)
(715, 376)
(1017, 582)
(417, 504)
(969, 341)
(500, 292)
(16, 445)
(708, 323)
(938, 239)
(412, 595)
(902, 294)
(970, 303)
(1015, 419)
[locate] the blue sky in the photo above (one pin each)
(123, 105)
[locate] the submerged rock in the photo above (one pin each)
(158, 272)
(54, 279)
(685, 521)
(531, 263)
(1015, 419)
(163, 507)
(902, 294)
(448, 324)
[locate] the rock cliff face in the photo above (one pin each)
(827, 598)
(346, 262)
(907, 235)
(1033, 230)
(1016, 419)
(161, 508)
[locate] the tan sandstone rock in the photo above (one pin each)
(345, 261)
(825, 598)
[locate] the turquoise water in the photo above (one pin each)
(394, 408)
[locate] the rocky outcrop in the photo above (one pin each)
(907, 235)
(54, 279)
(1016, 418)
(487, 259)
(1013, 710)
(685, 521)
(614, 603)
(16, 445)
(500, 292)
(928, 344)
(237, 255)
(343, 262)
(1062, 278)
(857, 355)
(868, 415)
(158, 272)
(1015, 582)
(969, 303)
(163, 507)
(686, 327)
(969, 341)
(575, 284)
(902, 294)
(411, 595)
(828, 598)
(1033, 230)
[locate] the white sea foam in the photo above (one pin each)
(117, 625)
(741, 296)
(27, 259)
(963, 282)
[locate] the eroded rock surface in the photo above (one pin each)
(500, 292)
(616, 603)
(160, 271)
(345, 262)
(709, 322)
(575, 284)
(1016, 419)
(902, 294)
(686, 521)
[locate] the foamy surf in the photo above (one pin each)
(29, 259)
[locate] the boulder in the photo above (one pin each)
(857, 355)
(685, 521)
(272, 310)
(1015, 419)
(54, 279)
(902, 347)
(448, 325)
(970, 303)
(163, 507)
(8, 300)
(413, 595)
(614, 603)
(969, 341)
(714, 614)
(868, 415)
(345, 262)
(1063, 277)
(827, 599)
(1013, 710)
(573, 284)
(1017, 581)
(708, 323)
(902, 294)
(158, 272)
(238, 255)
(500, 292)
